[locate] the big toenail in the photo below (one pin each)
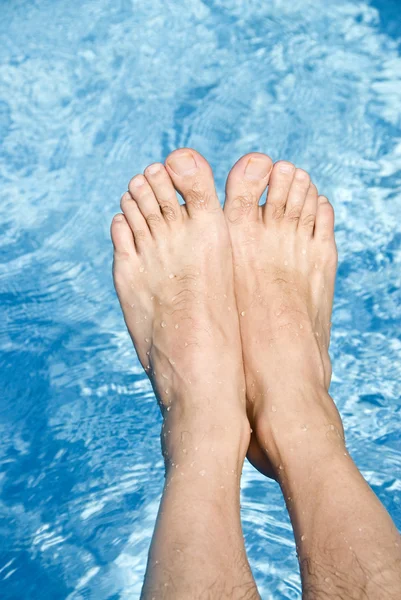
(257, 168)
(182, 164)
(285, 167)
(153, 169)
(138, 181)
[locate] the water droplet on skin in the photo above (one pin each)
(168, 408)
(176, 326)
(132, 305)
(243, 314)
(166, 392)
(278, 313)
(171, 276)
(327, 579)
(184, 450)
(186, 344)
(148, 352)
(303, 251)
(147, 340)
(301, 326)
(332, 427)
(170, 360)
(202, 473)
(304, 427)
(303, 538)
(163, 324)
(281, 468)
(229, 307)
(286, 262)
(316, 267)
(274, 408)
(152, 297)
(141, 269)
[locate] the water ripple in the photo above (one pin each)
(89, 95)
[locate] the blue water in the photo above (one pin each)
(91, 91)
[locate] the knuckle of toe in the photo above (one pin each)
(240, 207)
(308, 221)
(293, 214)
(153, 219)
(168, 211)
(277, 211)
(196, 198)
(139, 234)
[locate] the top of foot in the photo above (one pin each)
(284, 265)
(174, 279)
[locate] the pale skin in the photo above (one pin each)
(230, 314)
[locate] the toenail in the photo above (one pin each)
(152, 169)
(182, 164)
(118, 218)
(285, 167)
(257, 168)
(138, 181)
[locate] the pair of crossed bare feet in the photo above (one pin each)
(229, 312)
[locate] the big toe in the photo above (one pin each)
(245, 185)
(193, 178)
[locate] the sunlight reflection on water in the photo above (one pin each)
(92, 92)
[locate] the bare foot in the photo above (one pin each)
(174, 279)
(284, 264)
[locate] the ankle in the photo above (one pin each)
(300, 422)
(202, 439)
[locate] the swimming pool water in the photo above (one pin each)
(92, 91)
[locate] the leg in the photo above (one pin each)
(285, 261)
(173, 275)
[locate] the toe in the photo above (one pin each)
(122, 237)
(193, 178)
(135, 219)
(296, 197)
(279, 186)
(307, 219)
(163, 189)
(246, 183)
(324, 226)
(143, 195)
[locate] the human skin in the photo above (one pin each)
(285, 261)
(174, 277)
(230, 317)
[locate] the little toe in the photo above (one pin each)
(143, 194)
(193, 178)
(307, 219)
(122, 237)
(245, 185)
(296, 197)
(324, 226)
(164, 191)
(280, 182)
(135, 219)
